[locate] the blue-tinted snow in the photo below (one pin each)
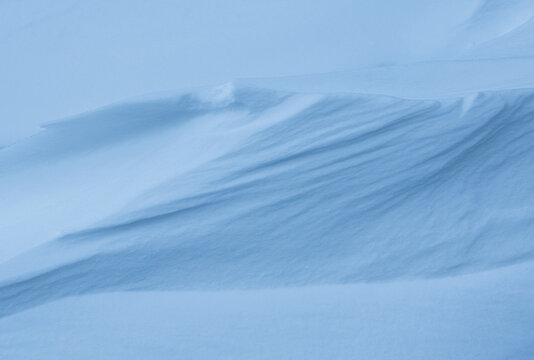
(380, 212)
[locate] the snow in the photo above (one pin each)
(422, 80)
(380, 211)
(459, 318)
(64, 57)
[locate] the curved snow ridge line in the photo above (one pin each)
(346, 189)
(127, 121)
(497, 29)
(500, 17)
(427, 80)
(89, 168)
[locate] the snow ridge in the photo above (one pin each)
(311, 189)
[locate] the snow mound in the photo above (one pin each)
(261, 188)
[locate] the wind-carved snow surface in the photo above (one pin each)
(251, 188)
(380, 213)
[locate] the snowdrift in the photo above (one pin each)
(241, 187)
(384, 212)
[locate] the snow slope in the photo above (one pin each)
(378, 213)
(244, 188)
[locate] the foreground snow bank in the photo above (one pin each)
(486, 316)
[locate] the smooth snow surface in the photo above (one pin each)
(382, 212)
(455, 318)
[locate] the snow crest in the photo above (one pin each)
(256, 188)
